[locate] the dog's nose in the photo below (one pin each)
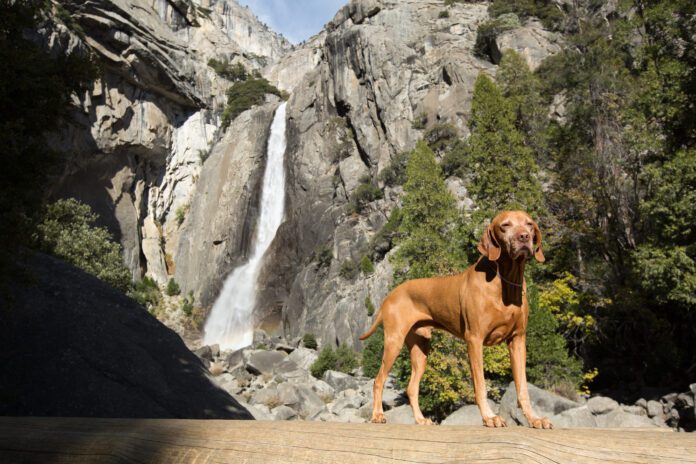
(523, 236)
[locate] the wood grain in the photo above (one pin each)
(87, 440)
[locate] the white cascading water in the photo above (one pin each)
(230, 323)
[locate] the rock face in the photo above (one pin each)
(145, 130)
(140, 135)
(73, 346)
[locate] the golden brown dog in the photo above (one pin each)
(484, 305)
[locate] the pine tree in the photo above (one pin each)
(504, 172)
(428, 214)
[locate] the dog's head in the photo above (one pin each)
(514, 233)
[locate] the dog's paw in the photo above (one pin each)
(494, 421)
(424, 421)
(379, 418)
(540, 423)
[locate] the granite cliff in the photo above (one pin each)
(181, 194)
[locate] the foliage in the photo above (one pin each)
(623, 187)
(146, 292)
(173, 288)
(68, 231)
(421, 120)
(365, 193)
(203, 155)
(366, 266)
(369, 305)
(546, 10)
(243, 95)
(309, 341)
(323, 256)
(428, 213)
(548, 362)
(37, 88)
(348, 269)
(443, 14)
(395, 173)
(343, 359)
(233, 72)
(372, 353)
(187, 304)
(504, 169)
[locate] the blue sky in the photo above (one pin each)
(297, 20)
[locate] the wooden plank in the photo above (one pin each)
(87, 440)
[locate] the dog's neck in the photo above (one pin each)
(511, 273)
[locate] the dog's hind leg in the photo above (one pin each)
(419, 346)
(393, 341)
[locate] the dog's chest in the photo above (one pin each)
(504, 323)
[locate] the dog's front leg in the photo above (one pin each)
(518, 358)
(475, 347)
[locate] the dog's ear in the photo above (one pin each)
(538, 252)
(488, 246)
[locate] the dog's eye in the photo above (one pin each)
(504, 225)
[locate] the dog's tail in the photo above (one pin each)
(375, 324)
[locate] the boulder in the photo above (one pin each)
(267, 396)
(264, 362)
(340, 381)
(601, 405)
(576, 417)
(400, 415)
(654, 408)
(310, 405)
(303, 357)
(323, 389)
(283, 412)
(468, 415)
(287, 394)
(544, 403)
(351, 416)
(618, 418)
(353, 402)
(205, 353)
(392, 398)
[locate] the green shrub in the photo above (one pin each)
(366, 266)
(309, 341)
(420, 121)
(67, 231)
(343, 359)
(233, 72)
(369, 305)
(323, 256)
(203, 155)
(372, 353)
(443, 14)
(187, 304)
(364, 194)
(243, 95)
(441, 136)
(348, 269)
(546, 10)
(395, 173)
(146, 292)
(173, 288)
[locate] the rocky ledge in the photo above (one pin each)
(272, 380)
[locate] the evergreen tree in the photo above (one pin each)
(427, 217)
(503, 169)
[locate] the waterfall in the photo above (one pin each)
(230, 323)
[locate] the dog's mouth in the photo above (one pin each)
(522, 249)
